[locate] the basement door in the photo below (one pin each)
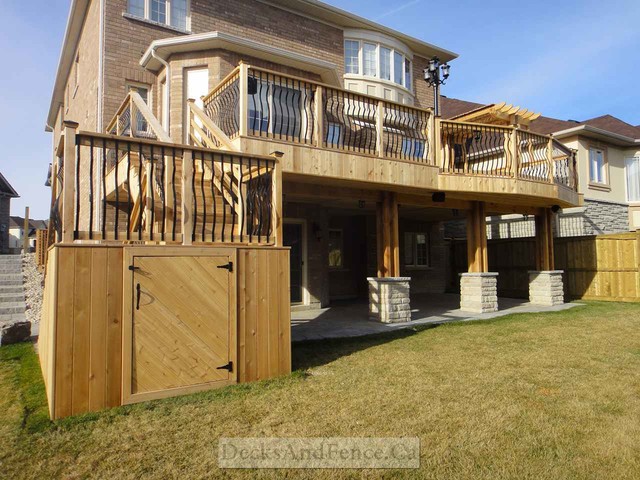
(181, 335)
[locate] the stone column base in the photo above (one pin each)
(479, 292)
(389, 299)
(546, 288)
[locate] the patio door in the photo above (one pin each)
(293, 236)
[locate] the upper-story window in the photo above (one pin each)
(174, 13)
(377, 60)
(632, 169)
(597, 166)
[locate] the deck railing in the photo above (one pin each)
(144, 124)
(135, 190)
(498, 151)
(286, 108)
(255, 102)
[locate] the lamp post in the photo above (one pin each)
(435, 75)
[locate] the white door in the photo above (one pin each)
(197, 86)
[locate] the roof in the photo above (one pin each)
(454, 107)
(18, 222)
(548, 125)
(6, 190)
(312, 8)
(615, 125)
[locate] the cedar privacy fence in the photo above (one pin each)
(600, 267)
(124, 189)
(255, 102)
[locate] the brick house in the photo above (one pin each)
(6, 194)
(291, 141)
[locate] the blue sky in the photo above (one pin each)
(568, 59)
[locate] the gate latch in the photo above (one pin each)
(228, 367)
(228, 266)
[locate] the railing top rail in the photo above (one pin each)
(178, 146)
(480, 125)
(220, 84)
(334, 87)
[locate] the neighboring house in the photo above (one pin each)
(231, 130)
(6, 194)
(16, 233)
(608, 156)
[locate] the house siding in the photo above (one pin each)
(5, 211)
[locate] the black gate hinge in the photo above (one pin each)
(228, 266)
(228, 367)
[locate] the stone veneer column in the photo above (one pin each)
(389, 299)
(479, 292)
(546, 288)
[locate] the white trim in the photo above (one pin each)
(597, 132)
(306, 296)
(164, 48)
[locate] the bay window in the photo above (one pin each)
(632, 172)
(173, 13)
(376, 60)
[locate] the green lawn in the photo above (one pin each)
(528, 396)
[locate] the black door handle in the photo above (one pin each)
(228, 266)
(138, 297)
(228, 367)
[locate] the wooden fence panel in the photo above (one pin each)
(602, 267)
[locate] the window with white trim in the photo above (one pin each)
(632, 173)
(377, 60)
(174, 13)
(597, 166)
(417, 249)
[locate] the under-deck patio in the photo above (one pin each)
(351, 318)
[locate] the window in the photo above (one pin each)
(333, 134)
(417, 250)
(378, 61)
(632, 170)
(352, 56)
(335, 249)
(597, 166)
(398, 67)
(369, 60)
(169, 12)
(412, 147)
(143, 91)
(385, 63)
(407, 73)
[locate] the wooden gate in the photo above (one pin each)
(180, 329)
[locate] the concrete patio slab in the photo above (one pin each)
(351, 319)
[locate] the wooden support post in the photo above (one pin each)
(379, 240)
(395, 235)
(187, 198)
(69, 181)
(276, 203)
(388, 236)
(318, 127)
(25, 236)
(477, 239)
(545, 260)
(380, 129)
(244, 100)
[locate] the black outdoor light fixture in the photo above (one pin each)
(555, 208)
(435, 75)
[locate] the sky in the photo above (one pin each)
(569, 59)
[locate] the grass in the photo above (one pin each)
(527, 396)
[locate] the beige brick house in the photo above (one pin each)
(293, 141)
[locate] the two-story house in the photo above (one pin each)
(225, 160)
(7, 192)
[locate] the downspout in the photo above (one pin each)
(167, 90)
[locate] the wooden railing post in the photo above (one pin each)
(276, 202)
(69, 181)
(550, 160)
(438, 157)
(380, 129)
(187, 197)
(318, 107)
(244, 100)
(133, 118)
(430, 153)
(515, 152)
